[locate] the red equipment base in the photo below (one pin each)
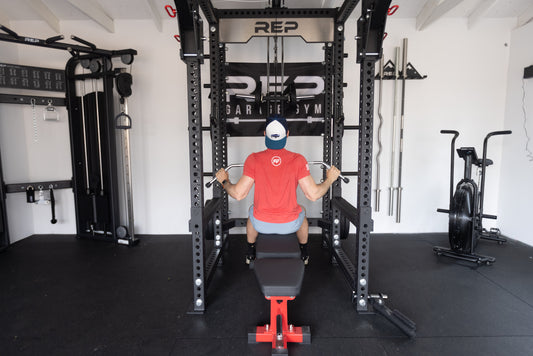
(279, 332)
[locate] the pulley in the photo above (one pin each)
(123, 82)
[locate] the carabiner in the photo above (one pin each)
(393, 9)
(171, 11)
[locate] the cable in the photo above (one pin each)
(34, 121)
(529, 154)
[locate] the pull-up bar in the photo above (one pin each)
(73, 49)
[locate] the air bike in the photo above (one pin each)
(465, 212)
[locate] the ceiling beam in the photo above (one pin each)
(156, 14)
(526, 16)
(427, 10)
(45, 13)
(479, 12)
(4, 20)
(434, 10)
(95, 12)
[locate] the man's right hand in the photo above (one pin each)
(332, 174)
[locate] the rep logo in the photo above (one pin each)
(275, 26)
(276, 161)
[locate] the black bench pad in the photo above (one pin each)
(277, 246)
(279, 276)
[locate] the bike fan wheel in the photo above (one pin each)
(461, 219)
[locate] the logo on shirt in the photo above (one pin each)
(276, 161)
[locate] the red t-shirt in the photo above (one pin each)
(276, 174)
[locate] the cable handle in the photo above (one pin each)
(210, 183)
(122, 126)
(327, 166)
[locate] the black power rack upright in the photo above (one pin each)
(94, 161)
(213, 215)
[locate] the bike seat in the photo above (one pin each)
(463, 152)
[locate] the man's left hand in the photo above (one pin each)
(222, 175)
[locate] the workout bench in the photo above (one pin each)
(280, 272)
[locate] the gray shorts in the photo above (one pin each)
(276, 228)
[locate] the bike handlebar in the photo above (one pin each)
(453, 132)
(506, 132)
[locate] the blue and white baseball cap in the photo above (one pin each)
(276, 132)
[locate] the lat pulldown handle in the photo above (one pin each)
(327, 166)
(210, 183)
(323, 164)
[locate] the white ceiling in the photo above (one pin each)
(105, 11)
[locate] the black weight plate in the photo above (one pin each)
(210, 228)
(461, 219)
(345, 228)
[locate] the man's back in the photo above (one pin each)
(276, 174)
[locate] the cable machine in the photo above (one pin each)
(210, 220)
(88, 82)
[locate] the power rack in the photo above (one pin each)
(209, 220)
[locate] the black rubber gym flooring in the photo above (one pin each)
(63, 296)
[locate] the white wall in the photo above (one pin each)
(516, 193)
(465, 90)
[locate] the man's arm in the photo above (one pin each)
(315, 191)
(237, 191)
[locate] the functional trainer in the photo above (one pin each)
(324, 25)
(88, 83)
(465, 226)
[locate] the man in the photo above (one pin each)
(276, 173)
